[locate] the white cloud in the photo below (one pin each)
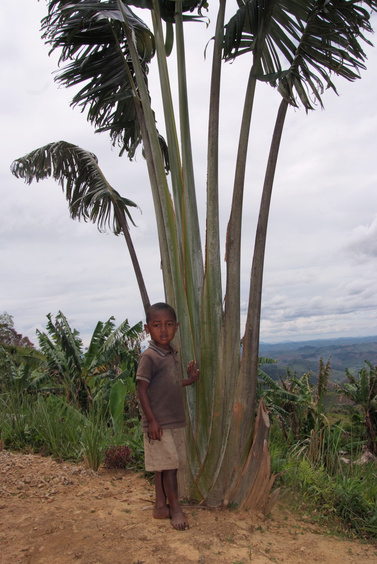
(362, 243)
(320, 274)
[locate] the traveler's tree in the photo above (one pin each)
(296, 46)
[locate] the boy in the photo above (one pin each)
(159, 384)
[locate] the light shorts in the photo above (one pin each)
(167, 454)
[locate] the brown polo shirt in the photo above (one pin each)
(161, 369)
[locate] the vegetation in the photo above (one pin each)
(70, 403)
(342, 495)
(9, 336)
(85, 377)
(362, 391)
(320, 458)
(18, 358)
(317, 456)
(296, 46)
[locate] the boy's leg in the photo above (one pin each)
(170, 487)
(161, 509)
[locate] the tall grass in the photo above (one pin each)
(50, 426)
(56, 432)
(95, 436)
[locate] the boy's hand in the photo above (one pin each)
(192, 372)
(154, 430)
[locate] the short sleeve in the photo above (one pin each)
(144, 368)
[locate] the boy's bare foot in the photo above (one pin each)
(179, 521)
(161, 512)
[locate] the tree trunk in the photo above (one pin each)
(252, 490)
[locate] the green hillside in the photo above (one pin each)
(302, 357)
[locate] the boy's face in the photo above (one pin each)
(162, 328)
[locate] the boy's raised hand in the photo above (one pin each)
(192, 373)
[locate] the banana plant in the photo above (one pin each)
(362, 391)
(75, 371)
(21, 371)
(294, 45)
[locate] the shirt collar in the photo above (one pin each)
(161, 351)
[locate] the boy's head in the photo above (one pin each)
(161, 324)
(160, 306)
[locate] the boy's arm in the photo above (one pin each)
(154, 428)
(192, 372)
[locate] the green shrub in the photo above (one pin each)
(347, 492)
(355, 501)
(16, 412)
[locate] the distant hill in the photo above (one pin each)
(302, 357)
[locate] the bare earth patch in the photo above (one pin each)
(58, 513)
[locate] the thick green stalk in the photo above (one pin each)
(246, 390)
(173, 220)
(170, 253)
(230, 341)
(209, 434)
(229, 345)
(171, 129)
(233, 238)
(152, 150)
(192, 248)
(240, 412)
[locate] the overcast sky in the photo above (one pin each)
(321, 259)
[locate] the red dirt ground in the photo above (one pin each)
(61, 513)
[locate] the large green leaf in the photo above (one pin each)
(118, 394)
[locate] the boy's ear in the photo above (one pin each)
(146, 328)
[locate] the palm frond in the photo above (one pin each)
(96, 360)
(88, 34)
(90, 197)
(315, 40)
(247, 28)
(329, 45)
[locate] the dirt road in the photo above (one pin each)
(63, 513)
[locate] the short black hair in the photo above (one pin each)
(158, 307)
